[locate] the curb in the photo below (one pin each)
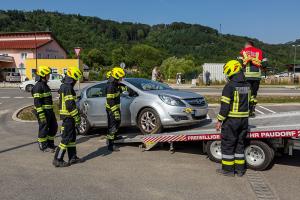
(15, 114)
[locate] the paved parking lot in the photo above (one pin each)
(26, 173)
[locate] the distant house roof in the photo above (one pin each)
(23, 44)
(26, 40)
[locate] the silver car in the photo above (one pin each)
(148, 105)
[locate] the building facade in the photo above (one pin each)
(15, 48)
(58, 66)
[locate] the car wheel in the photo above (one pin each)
(149, 121)
(84, 126)
(28, 88)
(213, 149)
(258, 155)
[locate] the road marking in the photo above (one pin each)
(29, 97)
(19, 97)
(4, 97)
(267, 109)
(256, 110)
(207, 117)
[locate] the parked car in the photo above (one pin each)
(148, 105)
(54, 83)
(13, 77)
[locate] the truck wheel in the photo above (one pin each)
(28, 88)
(213, 149)
(84, 126)
(258, 155)
(149, 121)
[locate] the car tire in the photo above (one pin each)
(213, 149)
(84, 126)
(28, 88)
(258, 155)
(149, 121)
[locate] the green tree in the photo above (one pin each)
(118, 55)
(146, 57)
(173, 65)
(95, 58)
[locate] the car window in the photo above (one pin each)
(56, 77)
(145, 84)
(96, 91)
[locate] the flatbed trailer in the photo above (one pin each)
(267, 134)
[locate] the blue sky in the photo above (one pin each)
(270, 21)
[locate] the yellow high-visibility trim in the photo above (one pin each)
(39, 109)
(71, 144)
(42, 139)
(69, 98)
(37, 95)
(62, 146)
(47, 106)
(225, 99)
(238, 114)
(239, 162)
(74, 112)
(111, 96)
(220, 117)
(50, 137)
(230, 163)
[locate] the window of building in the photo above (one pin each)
(22, 69)
(33, 73)
(54, 71)
(23, 56)
(48, 56)
(39, 55)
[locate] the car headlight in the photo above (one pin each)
(171, 100)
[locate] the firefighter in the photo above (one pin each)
(44, 110)
(108, 74)
(113, 90)
(233, 119)
(71, 119)
(253, 63)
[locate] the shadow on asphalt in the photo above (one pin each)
(17, 147)
(102, 151)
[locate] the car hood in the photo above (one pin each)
(175, 93)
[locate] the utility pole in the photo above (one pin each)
(295, 56)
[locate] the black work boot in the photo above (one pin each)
(240, 173)
(43, 146)
(225, 173)
(111, 146)
(252, 111)
(51, 146)
(72, 154)
(58, 158)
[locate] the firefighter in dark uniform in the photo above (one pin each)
(233, 119)
(113, 91)
(253, 64)
(44, 110)
(71, 119)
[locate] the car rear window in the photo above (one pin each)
(145, 84)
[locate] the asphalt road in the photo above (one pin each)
(26, 173)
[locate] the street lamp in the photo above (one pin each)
(294, 45)
(77, 52)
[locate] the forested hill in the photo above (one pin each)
(138, 44)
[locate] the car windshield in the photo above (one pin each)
(145, 84)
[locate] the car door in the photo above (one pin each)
(126, 101)
(94, 105)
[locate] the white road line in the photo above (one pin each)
(260, 112)
(19, 97)
(207, 117)
(267, 109)
(29, 97)
(4, 97)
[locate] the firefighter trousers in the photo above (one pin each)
(113, 125)
(68, 139)
(254, 89)
(233, 137)
(47, 128)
